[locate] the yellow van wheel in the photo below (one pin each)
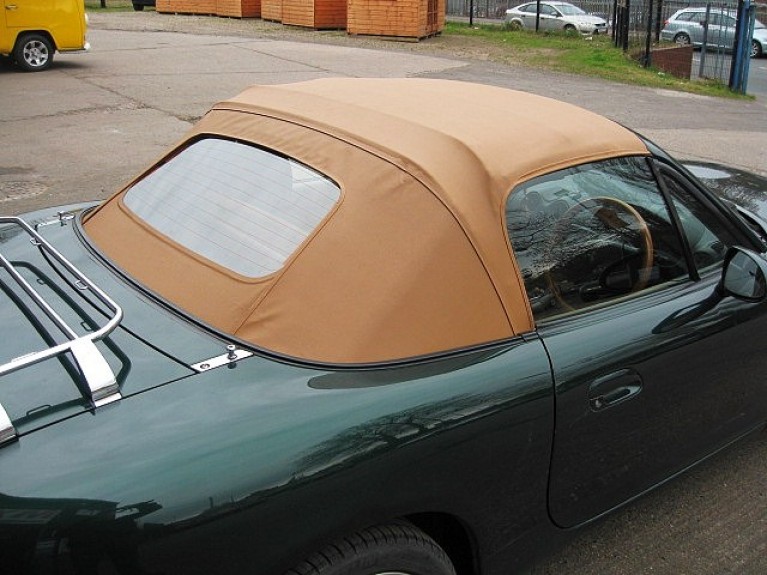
(33, 52)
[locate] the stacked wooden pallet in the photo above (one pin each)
(400, 18)
(232, 8)
(395, 18)
(186, 6)
(239, 8)
(317, 14)
(271, 10)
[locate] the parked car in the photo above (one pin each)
(32, 31)
(138, 5)
(686, 26)
(555, 16)
(329, 329)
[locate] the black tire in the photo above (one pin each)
(138, 7)
(570, 30)
(682, 39)
(396, 548)
(756, 49)
(515, 25)
(33, 52)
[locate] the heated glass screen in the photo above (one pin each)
(237, 205)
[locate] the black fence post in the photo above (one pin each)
(537, 15)
(704, 42)
(626, 26)
(658, 16)
(647, 61)
(621, 23)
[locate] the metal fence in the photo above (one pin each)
(643, 22)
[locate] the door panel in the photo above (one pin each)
(690, 379)
(28, 14)
(653, 368)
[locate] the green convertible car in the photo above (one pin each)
(332, 332)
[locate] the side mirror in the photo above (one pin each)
(744, 276)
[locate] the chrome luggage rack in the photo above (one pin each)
(101, 382)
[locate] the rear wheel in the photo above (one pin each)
(33, 52)
(682, 39)
(393, 549)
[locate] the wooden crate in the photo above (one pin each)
(271, 10)
(186, 6)
(396, 18)
(315, 13)
(239, 8)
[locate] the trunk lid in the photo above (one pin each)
(149, 346)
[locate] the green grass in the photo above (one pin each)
(595, 56)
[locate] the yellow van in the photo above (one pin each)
(32, 30)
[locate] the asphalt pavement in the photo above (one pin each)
(87, 126)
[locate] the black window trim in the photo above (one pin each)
(692, 269)
(744, 236)
(655, 164)
(658, 163)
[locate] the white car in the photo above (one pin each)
(555, 16)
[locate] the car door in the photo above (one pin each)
(717, 31)
(28, 14)
(527, 13)
(551, 19)
(653, 368)
(728, 25)
(695, 26)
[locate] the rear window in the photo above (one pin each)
(691, 16)
(242, 207)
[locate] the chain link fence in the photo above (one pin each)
(636, 25)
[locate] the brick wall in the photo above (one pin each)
(676, 60)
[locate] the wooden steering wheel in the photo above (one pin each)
(606, 210)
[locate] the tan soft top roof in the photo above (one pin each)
(512, 136)
(415, 259)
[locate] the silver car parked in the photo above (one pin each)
(555, 16)
(687, 26)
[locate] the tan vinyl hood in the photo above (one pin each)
(414, 259)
